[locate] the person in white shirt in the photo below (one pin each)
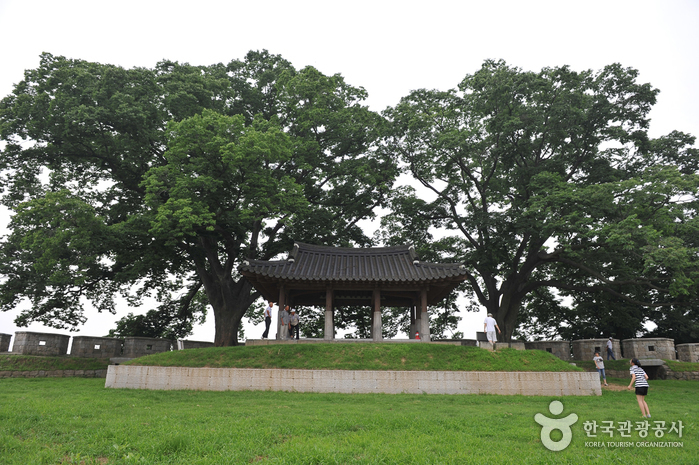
(294, 324)
(284, 320)
(489, 326)
(268, 320)
(599, 363)
(610, 349)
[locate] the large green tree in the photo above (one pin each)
(161, 181)
(546, 184)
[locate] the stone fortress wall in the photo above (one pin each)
(688, 352)
(32, 343)
(29, 343)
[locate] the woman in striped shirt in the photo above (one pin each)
(639, 377)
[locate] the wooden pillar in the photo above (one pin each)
(329, 333)
(424, 318)
(282, 302)
(413, 319)
(376, 333)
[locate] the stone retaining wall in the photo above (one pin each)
(54, 374)
(683, 375)
(351, 381)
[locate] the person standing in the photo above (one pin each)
(640, 379)
(294, 324)
(599, 363)
(489, 326)
(610, 349)
(284, 320)
(268, 320)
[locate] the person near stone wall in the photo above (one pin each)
(599, 363)
(294, 324)
(640, 379)
(489, 326)
(610, 349)
(268, 320)
(284, 318)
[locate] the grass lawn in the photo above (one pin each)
(79, 421)
(361, 356)
(11, 362)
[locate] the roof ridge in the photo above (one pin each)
(301, 247)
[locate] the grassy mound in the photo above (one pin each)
(364, 356)
(36, 363)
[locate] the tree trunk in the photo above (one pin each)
(229, 300)
(507, 311)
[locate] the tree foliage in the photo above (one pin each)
(546, 184)
(161, 180)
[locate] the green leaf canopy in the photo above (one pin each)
(160, 181)
(548, 180)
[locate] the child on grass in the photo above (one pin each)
(639, 377)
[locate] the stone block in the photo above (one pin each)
(361, 375)
(261, 379)
(345, 386)
(344, 375)
(323, 381)
(297, 385)
(96, 347)
(510, 384)
(139, 346)
(688, 352)
(584, 349)
(646, 348)
(517, 345)
(5, 342)
(450, 387)
(384, 375)
(431, 385)
(48, 344)
(532, 382)
(364, 386)
(305, 374)
(502, 345)
(560, 349)
(486, 346)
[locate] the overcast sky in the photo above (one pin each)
(387, 47)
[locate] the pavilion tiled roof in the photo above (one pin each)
(398, 264)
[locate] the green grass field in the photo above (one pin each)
(79, 421)
(362, 356)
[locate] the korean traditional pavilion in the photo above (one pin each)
(333, 277)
